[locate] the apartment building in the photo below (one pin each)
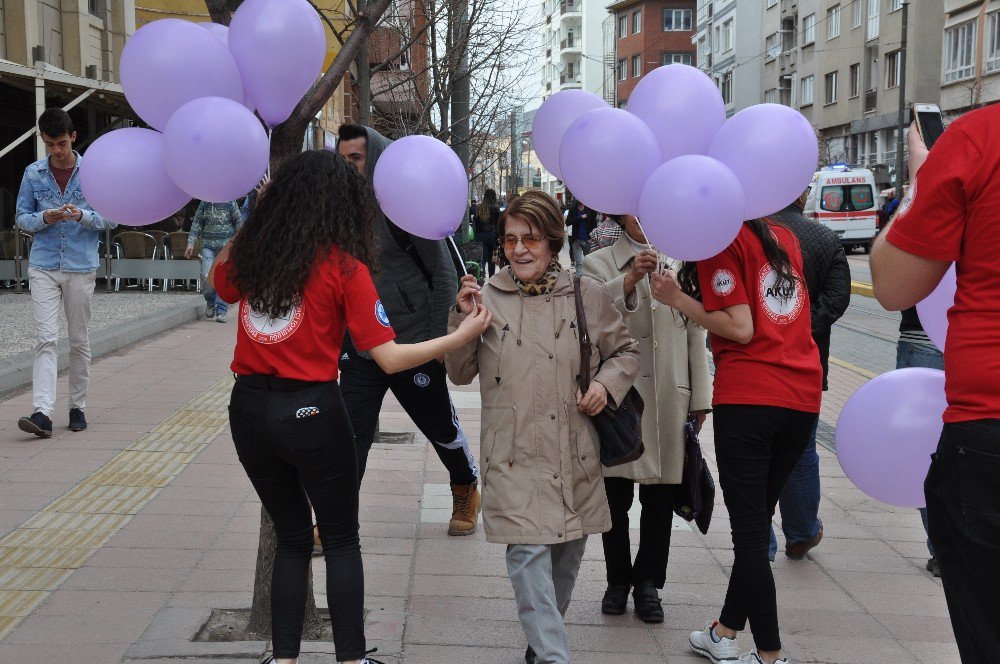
(572, 45)
(840, 63)
(649, 34)
(723, 29)
(971, 56)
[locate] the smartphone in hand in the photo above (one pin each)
(929, 123)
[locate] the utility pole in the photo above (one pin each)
(364, 66)
(513, 159)
(901, 120)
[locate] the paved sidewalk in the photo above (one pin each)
(116, 543)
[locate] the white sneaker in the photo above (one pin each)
(753, 658)
(716, 648)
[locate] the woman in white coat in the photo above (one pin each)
(675, 384)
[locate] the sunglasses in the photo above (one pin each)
(529, 241)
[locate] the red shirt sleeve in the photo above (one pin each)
(721, 280)
(366, 318)
(931, 219)
(223, 285)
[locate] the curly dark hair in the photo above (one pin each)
(316, 200)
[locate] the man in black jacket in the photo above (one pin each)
(581, 220)
(828, 280)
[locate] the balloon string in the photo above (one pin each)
(458, 254)
(659, 267)
(268, 174)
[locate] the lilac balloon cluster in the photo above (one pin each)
(197, 85)
(674, 160)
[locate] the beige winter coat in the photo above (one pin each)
(674, 379)
(541, 470)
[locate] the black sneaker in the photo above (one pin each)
(369, 660)
(615, 600)
(38, 424)
(77, 421)
(934, 568)
(529, 655)
(647, 603)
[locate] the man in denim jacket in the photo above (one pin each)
(62, 268)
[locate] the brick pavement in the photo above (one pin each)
(142, 594)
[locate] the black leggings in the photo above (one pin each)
(756, 448)
(295, 442)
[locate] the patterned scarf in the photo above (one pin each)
(543, 285)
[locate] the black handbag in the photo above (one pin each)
(696, 495)
(619, 430)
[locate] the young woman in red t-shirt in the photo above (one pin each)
(300, 269)
(768, 384)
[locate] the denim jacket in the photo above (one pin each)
(67, 246)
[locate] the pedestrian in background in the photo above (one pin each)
(768, 386)
(485, 220)
(543, 493)
(215, 224)
(62, 269)
(581, 221)
(675, 386)
(951, 213)
(608, 231)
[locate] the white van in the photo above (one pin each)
(842, 198)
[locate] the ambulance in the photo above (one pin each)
(842, 198)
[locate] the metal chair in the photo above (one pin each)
(135, 245)
(176, 244)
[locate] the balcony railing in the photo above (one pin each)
(871, 100)
(569, 43)
(572, 79)
(570, 7)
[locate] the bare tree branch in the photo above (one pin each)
(219, 11)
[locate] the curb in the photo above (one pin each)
(861, 288)
(15, 371)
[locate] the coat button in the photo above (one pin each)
(559, 535)
(655, 344)
(555, 476)
(552, 417)
(551, 356)
(583, 458)
(487, 459)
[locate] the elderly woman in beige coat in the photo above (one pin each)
(543, 492)
(675, 384)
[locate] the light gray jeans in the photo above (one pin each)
(543, 577)
(72, 292)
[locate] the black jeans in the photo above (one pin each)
(650, 564)
(489, 242)
(294, 458)
(756, 448)
(423, 393)
(963, 518)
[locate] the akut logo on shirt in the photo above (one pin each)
(266, 330)
(723, 282)
(782, 303)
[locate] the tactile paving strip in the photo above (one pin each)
(40, 554)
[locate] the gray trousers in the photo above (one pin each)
(543, 577)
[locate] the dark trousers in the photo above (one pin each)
(655, 523)
(963, 518)
(756, 448)
(423, 393)
(294, 458)
(489, 242)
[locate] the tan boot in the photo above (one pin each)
(465, 509)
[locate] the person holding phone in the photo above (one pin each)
(62, 269)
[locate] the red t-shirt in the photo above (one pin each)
(305, 344)
(62, 176)
(952, 213)
(780, 366)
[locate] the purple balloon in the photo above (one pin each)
(215, 149)
(682, 106)
(123, 178)
(170, 62)
(933, 309)
(422, 187)
(774, 152)
(692, 208)
(606, 156)
(887, 431)
(553, 118)
(280, 47)
(220, 31)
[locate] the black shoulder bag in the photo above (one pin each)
(619, 430)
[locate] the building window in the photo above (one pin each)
(806, 91)
(833, 22)
(831, 88)
(727, 36)
(873, 19)
(622, 27)
(771, 3)
(855, 80)
(622, 69)
(960, 52)
(993, 45)
(96, 8)
(856, 8)
(676, 59)
(675, 20)
(773, 45)
(893, 69)
(895, 4)
(636, 66)
(771, 96)
(726, 87)
(636, 22)
(809, 29)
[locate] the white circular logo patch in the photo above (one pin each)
(421, 380)
(723, 282)
(782, 304)
(265, 330)
(907, 202)
(380, 314)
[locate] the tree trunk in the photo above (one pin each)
(363, 65)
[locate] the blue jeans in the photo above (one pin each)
(918, 355)
(576, 250)
(211, 297)
(799, 500)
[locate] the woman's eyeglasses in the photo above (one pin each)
(529, 241)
